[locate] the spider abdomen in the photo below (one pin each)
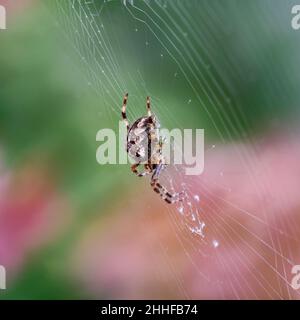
(141, 139)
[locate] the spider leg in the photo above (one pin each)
(164, 193)
(124, 116)
(140, 174)
(161, 190)
(157, 170)
(148, 106)
(160, 145)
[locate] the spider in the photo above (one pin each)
(144, 145)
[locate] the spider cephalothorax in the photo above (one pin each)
(144, 145)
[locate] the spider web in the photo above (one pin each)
(119, 44)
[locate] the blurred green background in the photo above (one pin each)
(230, 67)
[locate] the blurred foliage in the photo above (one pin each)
(48, 112)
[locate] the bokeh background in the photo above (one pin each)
(71, 228)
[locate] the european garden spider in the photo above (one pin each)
(144, 145)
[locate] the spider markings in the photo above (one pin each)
(144, 144)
